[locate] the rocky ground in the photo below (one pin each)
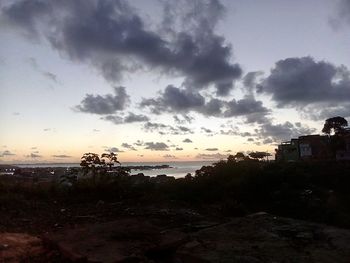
(182, 236)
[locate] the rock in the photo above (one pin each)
(17, 247)
(263, 238)
(125, 240)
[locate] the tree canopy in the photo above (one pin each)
(335, 124)
(259, 155)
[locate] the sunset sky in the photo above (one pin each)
(161, 80)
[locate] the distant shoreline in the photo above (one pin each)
(74, 164)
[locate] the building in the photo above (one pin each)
(315, 148)
(288, 151)
(344, 154)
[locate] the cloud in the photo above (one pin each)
(169, 156)
(166, 129)
(174, 100)
(139, 143)
(33, 156)
(212, 149)
(128, 146)
(6, 153)
(114, 150)
(156, 146)
(187, 140)
(47, 129)
(229, 132)
(130, 118)
(342, 15)
(61, 156)
(135, 118)
(308, 85)
(96, 130)
(102, 105)
(113, 38)
(234, 131)
(249, 107)
(215, 156)
(178, 149)
(250, 79)
(282, 132)
(49, 75)
(209, 132)
(185, 119)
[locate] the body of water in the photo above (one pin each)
(178, 169)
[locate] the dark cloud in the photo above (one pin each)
(139, 143)
(229, 132)
(130, 118)
(114, 119)
(112, 37)
(308, 84)
(183, 119)
(250, 79)
(128, 146)
(107, 104)
(113, 150)
(247, 106)
(323, 113)
(282, 132)
(166, 129)
(156, 146)
(179, 149)
(184, 130)
(212, 149)
(215, 156)
(235, 132)
(61, 156)
(174, 99)
(187, 140)
(206, 130)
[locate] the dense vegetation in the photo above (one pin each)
(307, 190)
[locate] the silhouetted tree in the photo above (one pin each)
(239, 156)
(231, 159)
(109, 159)
(90, 162)
(259, 155)
(335, 124)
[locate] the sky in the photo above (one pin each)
(161, 80)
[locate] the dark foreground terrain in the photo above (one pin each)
(212, 217)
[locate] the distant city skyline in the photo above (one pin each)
(161, 80)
